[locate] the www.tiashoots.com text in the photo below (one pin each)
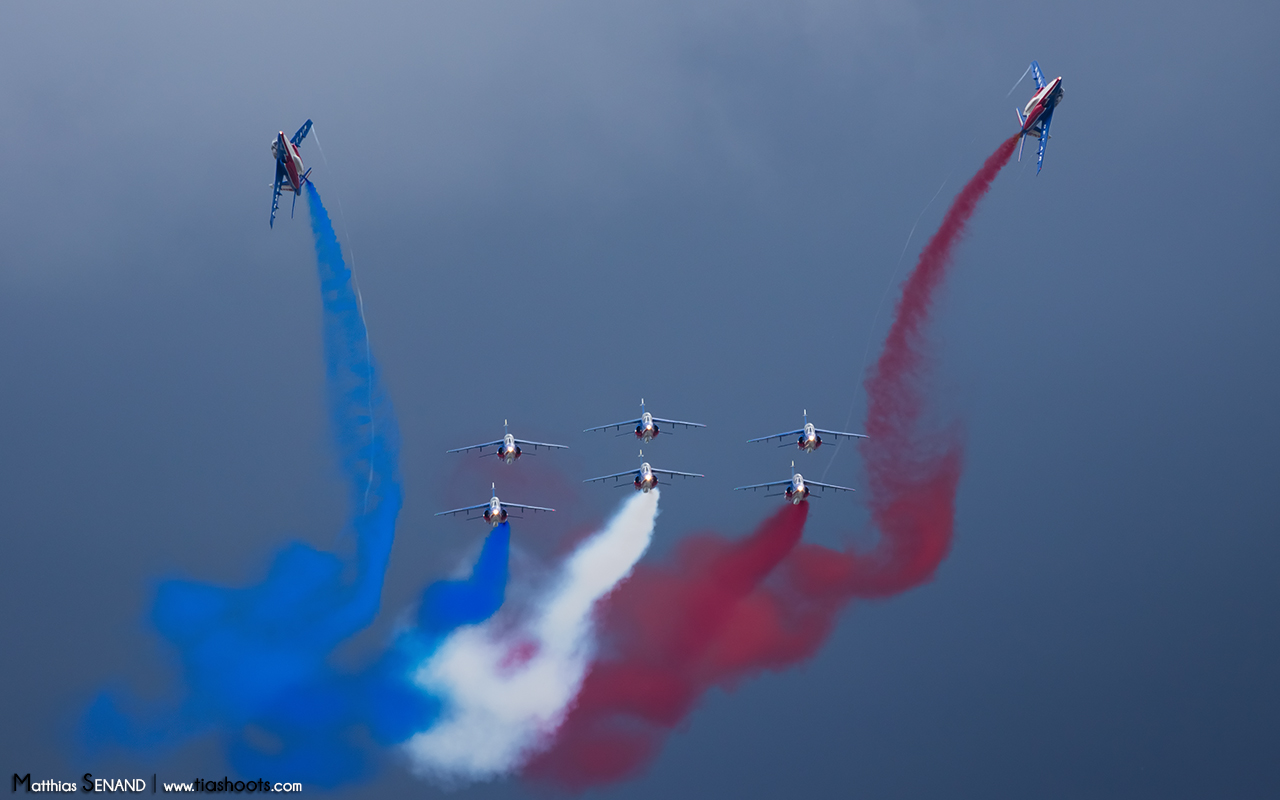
(88, 783)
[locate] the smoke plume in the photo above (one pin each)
(722, 611)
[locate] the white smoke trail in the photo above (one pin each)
(506, 692)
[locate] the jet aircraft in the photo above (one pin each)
(508, 446)
(646, 477)
(797, 487)
(290, 175)
(809, 439)
(495, 511)
(647, 426)
(1038, 113)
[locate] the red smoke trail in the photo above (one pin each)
(705, 620)
(725, 610)
(913, 475)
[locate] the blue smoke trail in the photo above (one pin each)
(255, 659)
(396, 708)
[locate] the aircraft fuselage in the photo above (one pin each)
(495, 514)
(509, 451)
(1043, 101)
(797, 491)
(292, 162)
(645, 479)
(647, 429)
(809, 440)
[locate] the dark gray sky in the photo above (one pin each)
(557, 208)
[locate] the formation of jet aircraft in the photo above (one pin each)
(1033, 120)
(647, 477)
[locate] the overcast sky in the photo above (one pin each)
(558, 208)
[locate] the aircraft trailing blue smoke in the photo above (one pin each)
(256, 659)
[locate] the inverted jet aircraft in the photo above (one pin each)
(508, 446)
(290, 175)
(647, 426)
(1038, 113)
(809, 438)
(495, 511)
(797, 488)
(646, 477)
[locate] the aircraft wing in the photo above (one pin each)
(679, 422)
(808, 482)
(776, 436)
(614, 426)
(631, 473)
(1035, 72)
(474, 447)
(306, 128)
(460, 510)
(505, 504)
(1044, 138)
(768, 485)
(838, 434)
(677, 474)
(536, 445)
(275, 197)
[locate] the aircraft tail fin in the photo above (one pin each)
(302, 133)
(1022, 121)
(1022, 140)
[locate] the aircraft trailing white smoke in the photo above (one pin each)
(505, 691)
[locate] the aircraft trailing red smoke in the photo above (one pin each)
(724, 610)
